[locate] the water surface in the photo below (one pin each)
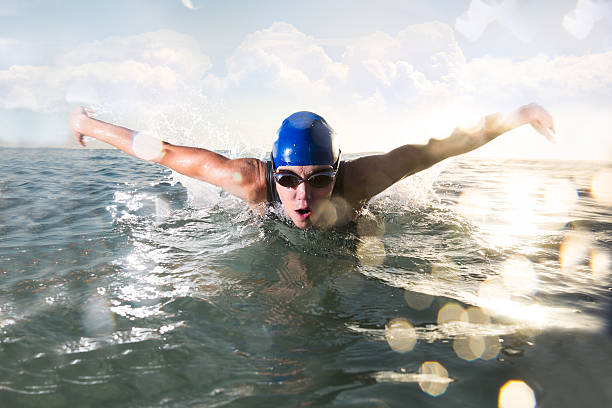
(121, 287)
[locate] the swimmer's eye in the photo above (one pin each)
(317, 180)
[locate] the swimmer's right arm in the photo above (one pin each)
(244, 178)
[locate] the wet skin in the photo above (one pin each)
(303, 203)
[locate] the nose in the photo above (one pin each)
(302, 191)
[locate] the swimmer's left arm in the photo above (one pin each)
(370, 175)
(465, 139)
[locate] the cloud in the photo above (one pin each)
(283, 60)
(420, 62)
(165, 48)
(280, 69)
(478, 16)
(581, 20)
(565, 80)
(283, 63)
(137, 68)
(383, 91)
(480, 13)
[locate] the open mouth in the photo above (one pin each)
(303, 212)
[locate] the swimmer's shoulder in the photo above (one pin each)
(353, 182)
(250, 174)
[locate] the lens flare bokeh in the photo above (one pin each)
(400, 335)
(435, 378)
(516, 394)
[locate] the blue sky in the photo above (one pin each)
(225, 74)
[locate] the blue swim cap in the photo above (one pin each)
(305, 139)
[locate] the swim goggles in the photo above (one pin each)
(320, 179)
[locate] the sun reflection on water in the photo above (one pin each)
(600, 263)
(574, 250)
(432, 378)
(529, 207)
(519, 276)
(601, 186)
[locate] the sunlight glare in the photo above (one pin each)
(496, 299)
(493, 290)
(560, 197)
(519, 219)
(601, 186)
(600, 263)
(475, 205)
(574, 250)
(516, 394)
(519, 276)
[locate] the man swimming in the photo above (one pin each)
(305, 174)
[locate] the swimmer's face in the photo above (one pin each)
(303, 203)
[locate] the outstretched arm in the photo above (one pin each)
(368, 176)
(244, 178)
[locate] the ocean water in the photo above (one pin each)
(476, 283)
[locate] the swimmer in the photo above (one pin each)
(305, 173)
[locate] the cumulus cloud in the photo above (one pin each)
(581, 20)
(402, 88)
(283, 60)
(420, 61)
(561, 80)
(480, 13)
(178, 52)
(138, 67)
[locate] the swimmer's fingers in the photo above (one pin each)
(539, 118)
(543, 123)
(547, 132)
(75, 123)
(80, 138)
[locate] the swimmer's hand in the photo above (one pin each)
(76, 123)
(539, 118)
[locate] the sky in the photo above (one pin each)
(223, 74)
